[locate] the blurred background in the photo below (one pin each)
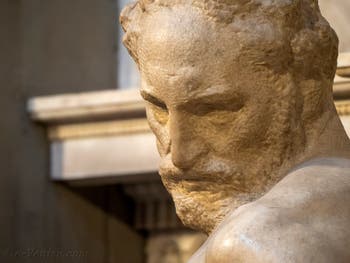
(78, 162)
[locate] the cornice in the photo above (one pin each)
(343, 107)
(98, 129)
(343, 67)
(341, 86)
(87, 106)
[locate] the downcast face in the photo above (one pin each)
(211, 102)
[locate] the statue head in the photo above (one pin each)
(237, 91)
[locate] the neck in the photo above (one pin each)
(327, 138)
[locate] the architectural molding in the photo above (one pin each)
(341, 87)
(113, 159)
(343, 68)
(98, 129)
(343, 107)
(99, 105)
(97, 137)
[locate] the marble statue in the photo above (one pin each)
(239, 96)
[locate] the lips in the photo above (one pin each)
(170, 172)
(189, 177)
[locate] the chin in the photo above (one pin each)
(202, 205)
(199, 213)
(201, 209)
(202, 201)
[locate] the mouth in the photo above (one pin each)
(174, 174)
(212, 171)
(187, 176)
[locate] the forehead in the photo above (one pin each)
(180, 45)
(169, 33)
(181, 50)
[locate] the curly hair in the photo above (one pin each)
(310, 36)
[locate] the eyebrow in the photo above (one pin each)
(211, 92)
(203, 97)
(217, 96)
(148, 96)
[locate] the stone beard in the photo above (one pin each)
(237, 95)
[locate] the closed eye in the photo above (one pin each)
(203, 108)
(153, 100)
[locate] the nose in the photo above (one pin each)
(186, 146)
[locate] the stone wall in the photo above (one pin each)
(52, 47)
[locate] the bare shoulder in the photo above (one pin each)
(304, 218)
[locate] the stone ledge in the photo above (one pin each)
(343, 68)
(343, 107)
(98, 137)
(98, 129)
(86, 106)
(341, 87)
(121, 158)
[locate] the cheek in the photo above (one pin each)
(228, 132)
(250, 130)
(216, 130)
(158, 122)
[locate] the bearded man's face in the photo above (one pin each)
(213, 101)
